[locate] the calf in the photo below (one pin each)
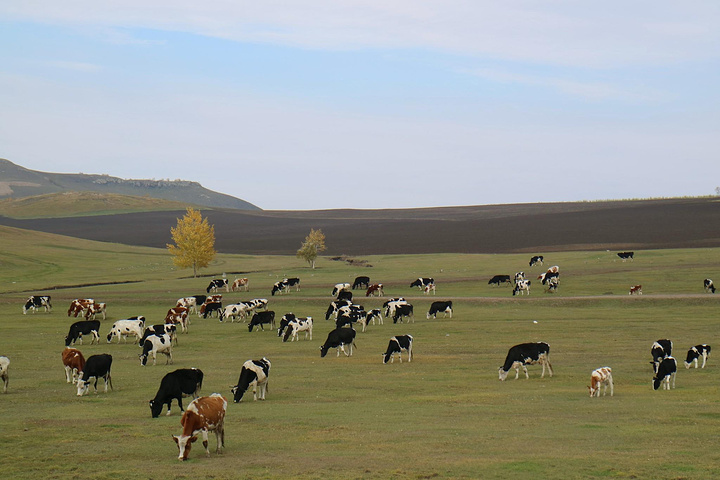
(422, 282)
(437, 307)
(97, 367)
(204, 414)
(124, 328)
(375, 289)
(397, 344)
(262, 318)
(659, 350)
(241, 284)
(37, 301)
(498, 279)
(74, 364)
(361, 282)
(4, 372)
(601, 377)
(83, 327)
(217, 284)
(299, 325)
(340, 287)
(526, 354)
(708, 285)
(155, 344)
(536, 259)
(159, 330)
(180, 383)
(695, 353)
(338, 338)
(626, 255)
(665, 374)
(636, 290)
(521, 287)
(254, 373)
(95, 308)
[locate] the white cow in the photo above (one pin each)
(4, 366)
(124, 328)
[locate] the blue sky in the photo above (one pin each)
(365, 104)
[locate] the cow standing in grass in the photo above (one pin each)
(601, 377)
(204, 414)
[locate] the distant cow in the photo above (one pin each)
(184, 382)
(695, 353)
(659, 350)
(211, 309)
(241, 284)
(635, 290)
(74, 363)
(537, 259)
(97, 367)
(254, 373)
(340, 287)
(437, 307)
(665, 374)
(521, 287)
(124, 328)
(37, 301)
(361, 282)
(526, 354)
(292, 282)
(159, 330)
(498, 279)
(204, 414)
(334, 307)
(397, 344)
(178, 315)
(155, 344)
(338, 338)
(95, 308)
(552, 285)
(708, 285)
(403, 311)
(299, 324)
(79, 305)
(601, 377)
(375, 289)
(626, 255)
(190, 303)
(217, 284)
(4, 372)
(429, 288)
(83, 327)
(262, 318)
(391, 304)
(374, 314)
(422, 282)
(233, 311)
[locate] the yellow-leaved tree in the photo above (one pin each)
(314, 244)
(194, 241)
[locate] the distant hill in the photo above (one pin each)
(18, 182)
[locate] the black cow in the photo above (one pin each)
(344, 295)
(217, 284)
(210, 308)
(708, 285)
(361, 282)
(695, 353)
(338, 338)
(421, 283)
(498, 279)
(437, 307)
(403, 311)
(183, 382)
(626, 255)
(526, 354)
(199, 299)
(659, 350)
(335, 306)
(158, 330)
(97, 366)
(261, 318)
(255, 373)
(397, 344)
(37, 301)
(536, 259)
(665, 374)
(83, 327)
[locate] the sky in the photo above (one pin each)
(324, 104)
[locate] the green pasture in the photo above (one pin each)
(445, 415)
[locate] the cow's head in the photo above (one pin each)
(323, 351)
(82, 387)
(184, 444)
(502, 374)
(237, 393)
(155, 408)
(143, 358)
(109, 337)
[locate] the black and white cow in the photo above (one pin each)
(299, 324)
(338, 338)
(422, 282)
(159, 330)
(361, 282)
(278, 287)
(626, 255)
(184, 382)
(83, 327)
(537, 259)
(521, 287)
(695, 353)
(155, 344)
(262, 318)
(438, 307)
(97, 367)
(392, 304)
(526, 354)
(37, 301)
(340, 287)
(498, 279)
(397, 344)
(334, 307)
(124, 328)
(292, 282)
(403, 311)
(218, 283)
(236, 310)
(350, 314)
(284, 322)
(552, 284)
(253, 373)
(709, 285)
(665, 373)
(659, 350)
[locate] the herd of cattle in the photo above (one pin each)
(205, 414)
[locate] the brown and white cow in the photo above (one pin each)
(601, 377)
(241, 284)
(204, 414)
(429, 288)
(74, 364)
(636, 289)
(178, 315)
(95, 308)
(188, 302)
(79, 305)
(375, 289)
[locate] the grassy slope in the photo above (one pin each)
(444, 415)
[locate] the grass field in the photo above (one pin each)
(445, 415)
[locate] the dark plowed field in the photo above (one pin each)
(617, 225)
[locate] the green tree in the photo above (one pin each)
(194, 241)
(314, 244)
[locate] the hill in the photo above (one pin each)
(18, 182)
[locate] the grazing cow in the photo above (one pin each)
(526, 354)
(123, 328)
(665, 373)
(217, 284)
(340, 287)
(160, 329)
(83, 327)
(659, 350)
(429, 288)
(552, 285)
(300, 324)
(521, 287)
(344, 295)
(234, 311)
(350, 314)
(97, 367)
(284, 322)
(498, 279)
(376, 289)
(397, 344)
(601, 377)
(74, 364)
(190, 303)
(708, 285)
(261, 318)
(4, 372)
(361, 282)
(180, 383)
(536, 259)
(95, 308)
(338, 338)
(37, 301)
(334, 307)
(178, 315)
(257, 303)
(392, 304)
(548, 276)
(204, 414)
(241, 284)
(635, 289)
(626, 255)
(695, 353)
(155, 344)
(422, 282)
(211, 309)
(403, 311)
(278, 287)
(254, 373)
(519, 277)
(372, 315)
(79, 305)
(437, 307)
